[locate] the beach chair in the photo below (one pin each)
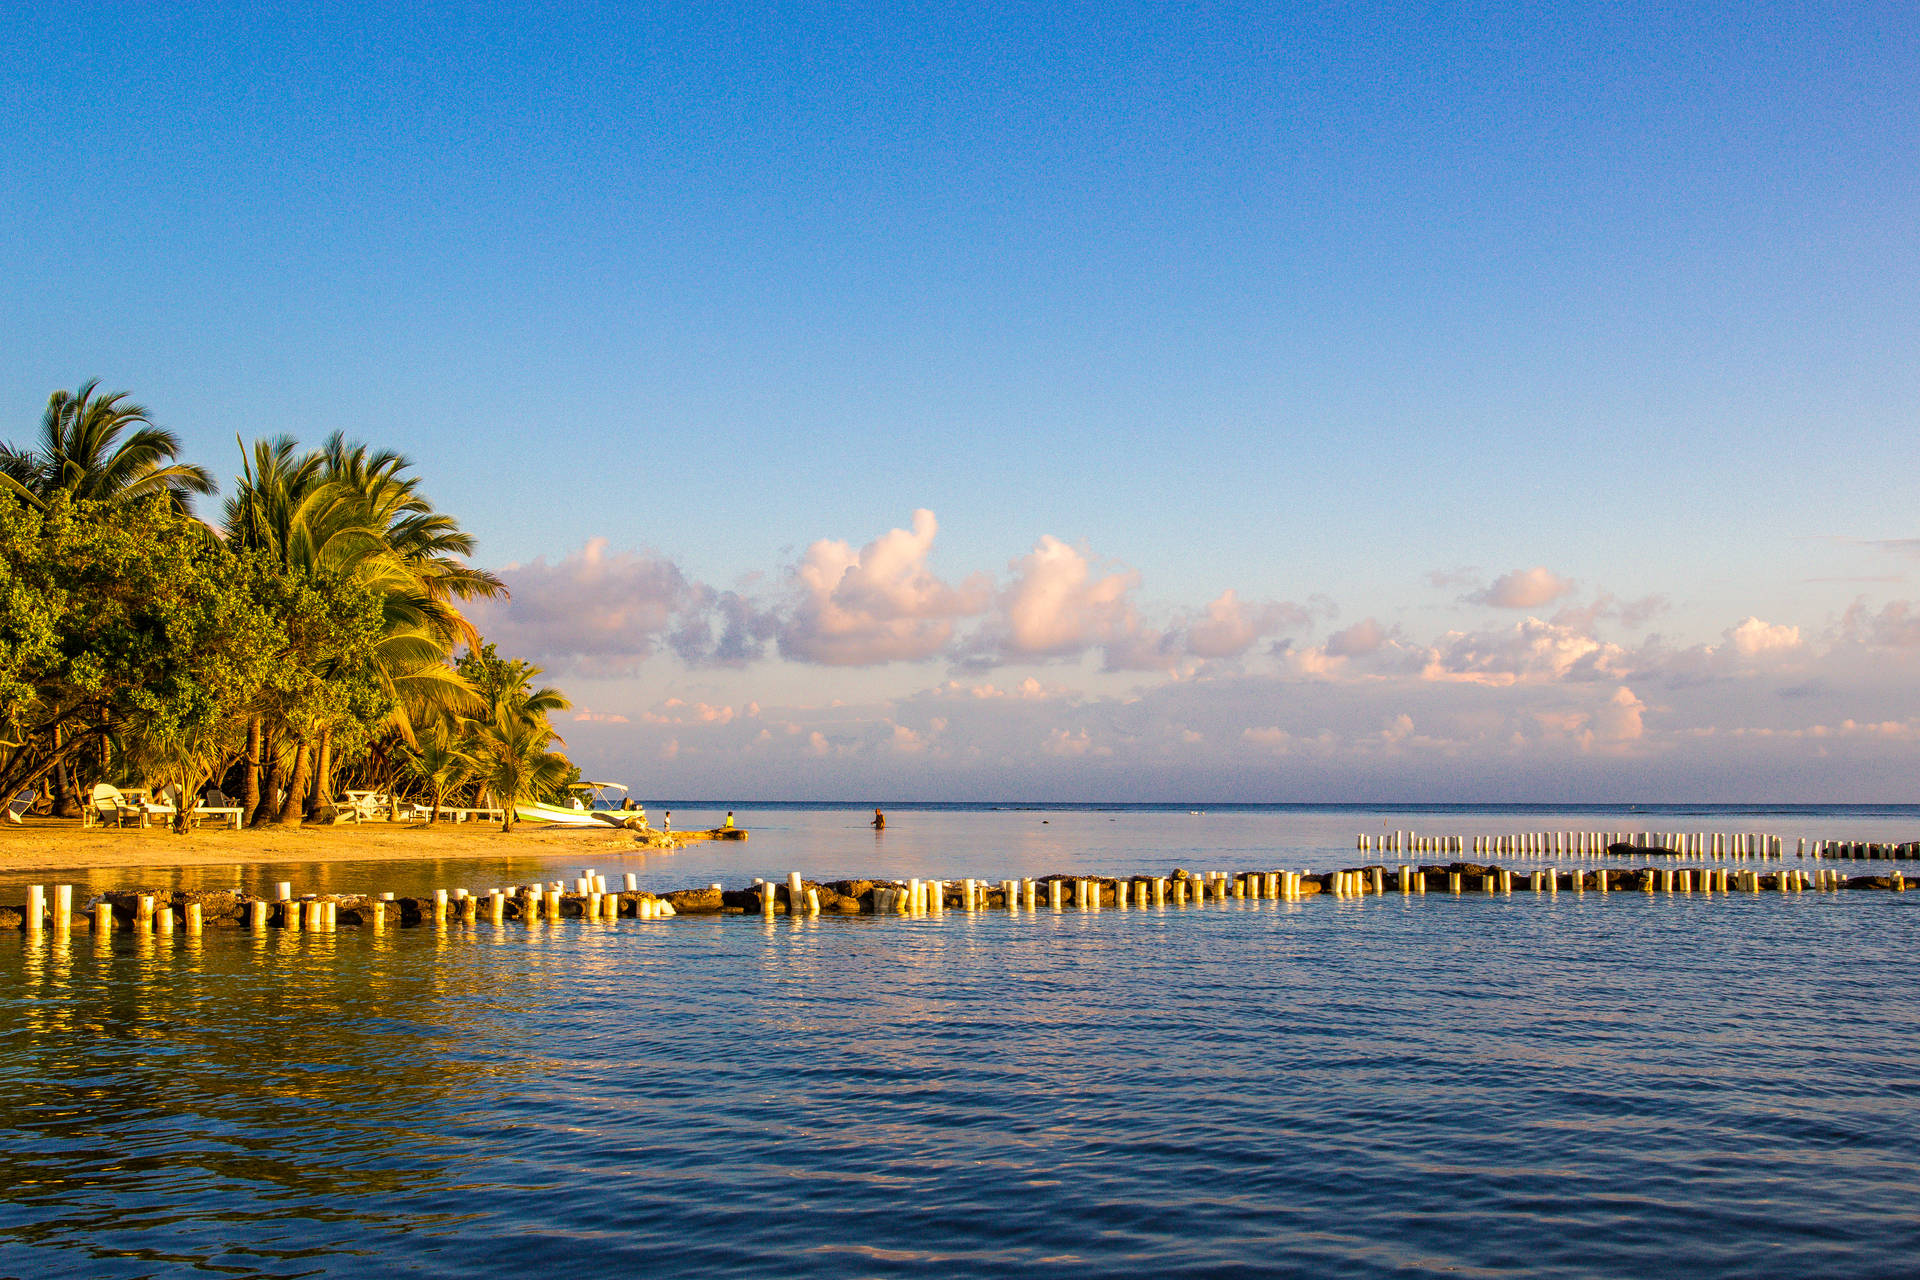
(365, 806)
(111, 809)
(18, 806)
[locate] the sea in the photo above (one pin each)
(1574, 1085)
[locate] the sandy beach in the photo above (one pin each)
(52, 844)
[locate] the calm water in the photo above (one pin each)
(1584, 1085)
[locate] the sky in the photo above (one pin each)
(1059, 402)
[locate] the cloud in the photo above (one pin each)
(1619, 720)
(1531, 650)
(593, 610)
(1896, 626)
(1637, 613)
(880, 604)
(1755, 638)
(744, 630)
(1061, 603)
(1362, 638)
(1522, 589)
(1228, 627)
(1057, 606)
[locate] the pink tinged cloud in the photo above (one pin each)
(1059, 606)
(1529, 651)
(1895, 626)
(1229, 627)
(1056, 607)
(1754, 638)
(604, 613)
(879, 604)
(1522, 589)
(1362, 638)
(1619, 720)
(594, 608)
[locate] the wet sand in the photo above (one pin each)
(54, 844)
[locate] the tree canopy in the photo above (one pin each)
(315, 634)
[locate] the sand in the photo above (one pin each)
(53, 844)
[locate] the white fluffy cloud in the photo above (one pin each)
(1531, 650)
(1061, 603)
(879, 604)
(1057, 605)
(1754, 638)
(1522, 589)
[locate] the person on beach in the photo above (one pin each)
(729, 822)
(666, 822)
(879, 820)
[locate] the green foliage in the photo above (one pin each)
(119, 616)
(321, 627)
(514, 722)
(512, 759)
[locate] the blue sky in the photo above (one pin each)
(1309, 304)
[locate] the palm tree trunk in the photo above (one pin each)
(322, 773)
(296, 786)
(66, 801)
(250, 788)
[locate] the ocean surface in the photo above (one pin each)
(1609, 1085)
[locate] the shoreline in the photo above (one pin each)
(62, 844)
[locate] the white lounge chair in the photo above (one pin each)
(113, 809)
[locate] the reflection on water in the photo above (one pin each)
(1614, 1085)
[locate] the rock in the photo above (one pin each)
(1622, 849)
(126, 902)
(851, 897)
(217, 906)
(696, 902)
(13, 917)
(740, 900)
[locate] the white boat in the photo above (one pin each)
(592, 805)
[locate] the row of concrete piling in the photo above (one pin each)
(590, 898)
(1057, 893)
(1718, 845)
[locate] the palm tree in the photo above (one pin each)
(440, 761)
(514, 764)
(429, 543)
(99, 448)
(347, 511)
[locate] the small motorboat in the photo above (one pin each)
(592, 804)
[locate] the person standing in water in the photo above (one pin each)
(666, 821)
(879, 820)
